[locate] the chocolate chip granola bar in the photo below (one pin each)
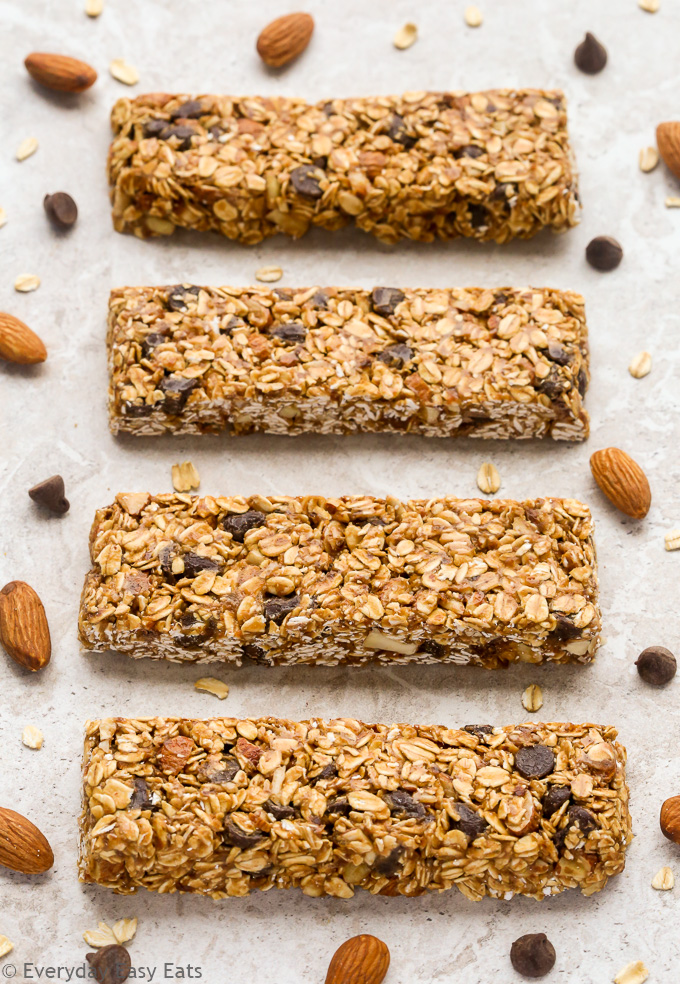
(318, 580)
(224, 807)
(490, 363)
(426, 165)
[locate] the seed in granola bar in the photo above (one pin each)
(389, 864)
(604, 253)
(402, 804)
(535, 761)
(279, 811)
(110, 964)
(50, 494)
(479, 729)
(238, 524)
(590, 55)
(194, 564)
(533, 955)
(176, 296)
(469, 821)
(306, 180)
(399, 133)
(656, 665)
(276, 608)
(557, 353)
(237, 837)
(190, 110)
(555, 797)
(384, 300)
(395, 356)
(177, 390)
(141, 796)
(292, 331)
(61, 209)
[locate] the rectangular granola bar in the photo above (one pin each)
(426, 165)
(346, 580)
(489, 363)
(224, 807)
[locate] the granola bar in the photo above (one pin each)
(491, 363)
(224, 807)
(426, 165)
(314, 580)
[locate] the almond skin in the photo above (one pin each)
(22, 846)
(668, 142)
(18, 343)
(23, 626)
(284, 39)
(360, 960)
(60, 72)
(669, 820)
(622, 481)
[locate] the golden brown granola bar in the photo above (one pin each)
(426, 165)
(492, 363)
(346, 580)
(224, 807)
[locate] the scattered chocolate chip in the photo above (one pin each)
(280, 812)
(110, 964)
(402, 804)
(656, 665)
(153, 128)
(384, 300)
(479, 217)
(535, 761)
(604, 253)
(469, 150)
(399, 133)
(479, 729)
(276, 609)
(61, 209)
(190, 110)
(339, 805)
(141, 796)
(557, 353)
(583, 818)
(177, 390)
(329, 771)
(50, 494)
(306, 180)
(565, 629)
(194, 564)
(234, 835)
(469, 822)
(177, 294)
(554, 798)
(433, 648)
(533, 955)
(292, 331)
(238, 524)
(590, 56)
(388, 865)
(395, 356)
(137, 409)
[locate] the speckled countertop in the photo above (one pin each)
(53, 418)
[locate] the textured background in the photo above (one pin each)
(52, 418)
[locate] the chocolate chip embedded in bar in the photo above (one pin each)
(426, 165)
(233, 806)
(490, 363)
(313, 580)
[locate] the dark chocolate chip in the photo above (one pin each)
(433, 648)
(234, 835)
(280, 812)
(154, 128)
(402, 804)
(226, 773)
(479, 729)
(582, 818)
(553, 385)
(50, 494)
(590, 56)
(306, 179)
(565, 629)
(166, 555)
(469, 150)
(177, 390)
(150, 341)
(238, 524)
(61, 209)
(141, 797)
(232, 325)
(110, 964)
(582, 381)
(329, 771)
(535, 761)
(604, 253)
(190, 110)
(339, 805)
(395, 356)
(479, 217)
(319, 299)
(276, 608)
(176, 295)
(500, 298)
(292, 331)
(655, 665)
(182, 133)
(399, 133)
(137, 409)
(384, 300)
(389, 864)
(533, 955)
(469, 822)
(554, 798)
(194, 564)
(255, 653)
(557, 353)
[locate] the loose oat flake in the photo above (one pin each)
(122, 72)
(673, 201)
(6, 946)
(93, 8)
(532, 698)
(672, 540)
(488, 479)
(32, 737)
(663, 880)
(632, 973)
(640, 365)
(124, 930)
(185, 477)
(211, 685)
(649, 158)
(26, 148)
(406, 36)
(473, 16)
(651, 6)
(26, 282)
(269, 274)
(102, 936)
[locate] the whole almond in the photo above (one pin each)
(60, 72)
(668, 142)
(23, 626)
(669, 819)
(22, 846)
(18, 343)
(622, 481)
(284, 39)
(360, 960)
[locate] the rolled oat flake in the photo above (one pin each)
(533, 955)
